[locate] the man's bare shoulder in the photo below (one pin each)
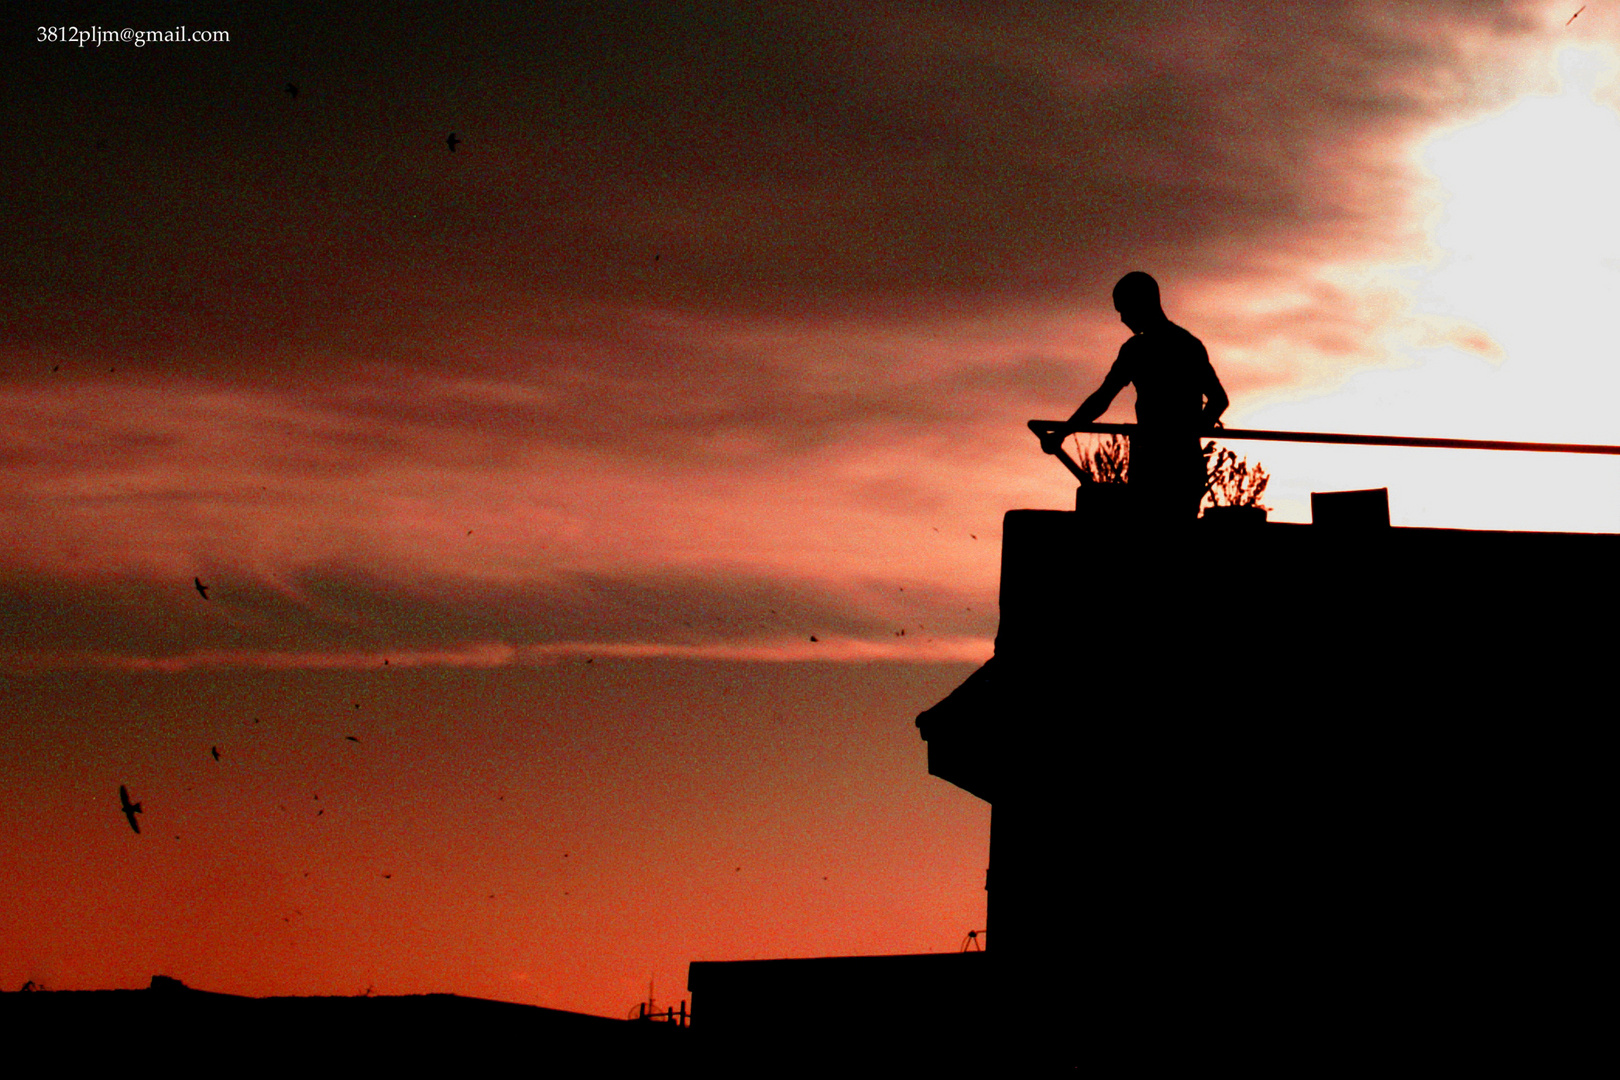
(1129, 351)
(1182, 332)
(1151, 350)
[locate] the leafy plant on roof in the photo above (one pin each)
(1107, 462)
(1230, 480)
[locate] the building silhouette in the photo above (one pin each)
(1290, 795)
(1268, 795)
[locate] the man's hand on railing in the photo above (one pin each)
(1052, 440)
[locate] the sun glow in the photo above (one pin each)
(1509, 331)
(1531, 240)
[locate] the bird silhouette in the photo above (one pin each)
(292, 91)
(451, 142)
(1575, 16)
(215, 751)
(202, 590)
(130, 809)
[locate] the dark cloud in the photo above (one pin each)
(774, 158)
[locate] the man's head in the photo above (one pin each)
(1136, 298)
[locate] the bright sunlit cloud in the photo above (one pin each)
(1508, 330)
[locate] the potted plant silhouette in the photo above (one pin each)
(1233, 488)
(1107, 466)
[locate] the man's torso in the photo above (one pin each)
(1170, 370)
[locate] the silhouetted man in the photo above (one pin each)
(1173, 377)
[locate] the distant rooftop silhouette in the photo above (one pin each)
(172, 1026)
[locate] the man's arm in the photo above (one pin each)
(1091, 408)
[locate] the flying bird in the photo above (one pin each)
(202, 590)
(1575, 16)
(215, 750)
(292, 91)
(130, 809)
(451, 141)
(351, 738)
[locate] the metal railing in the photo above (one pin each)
(1042, 428)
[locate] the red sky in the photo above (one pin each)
(717, 331)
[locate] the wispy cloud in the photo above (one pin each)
(841, 650)
(321, 621)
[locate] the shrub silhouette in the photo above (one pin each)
(1228, 479)
(1107, 462)
(1231, 481)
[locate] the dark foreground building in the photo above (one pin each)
(1279, 795)
(1276, 797)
